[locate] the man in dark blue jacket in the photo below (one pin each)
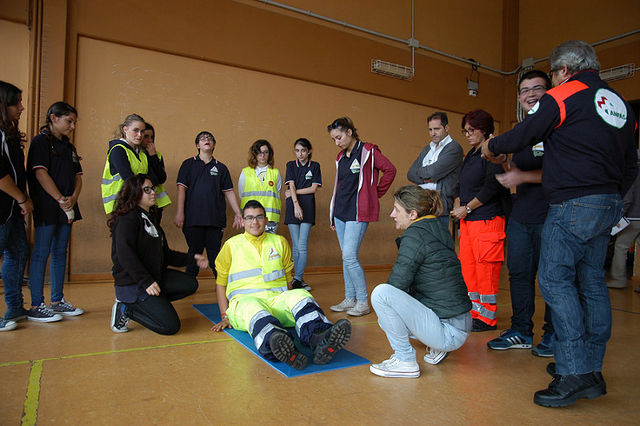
(589, 163)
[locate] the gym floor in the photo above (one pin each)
(78, 371)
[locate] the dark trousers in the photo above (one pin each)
(523, 253)
(156, 312)
(201, 237)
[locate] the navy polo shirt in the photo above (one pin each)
(58, 158)
(530, 204)
(477, 180)
(205, 185)
(302, 177)
(345, 207)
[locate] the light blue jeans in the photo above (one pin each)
(572, 279)
(49, 239)
(400, 315)
(299, 239)
(350, 235)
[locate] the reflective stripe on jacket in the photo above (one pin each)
(265, 192)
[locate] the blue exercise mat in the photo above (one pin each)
(343, 358)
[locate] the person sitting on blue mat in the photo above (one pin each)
(254, 295)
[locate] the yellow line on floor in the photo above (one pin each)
(144, 348)
(30, 413)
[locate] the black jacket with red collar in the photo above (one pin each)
(589, 143)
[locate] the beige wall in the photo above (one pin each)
(14, 68)
(237, 106)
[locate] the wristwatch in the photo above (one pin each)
(468, 209)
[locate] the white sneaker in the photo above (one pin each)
(393, 367)
(434, 356)
(361, 308)
(345, 305)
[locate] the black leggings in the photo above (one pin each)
(156, 312)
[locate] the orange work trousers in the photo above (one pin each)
(481, 255)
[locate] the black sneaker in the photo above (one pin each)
(284, 350)
(332, 340)
(43, 314)
(119, 319)
(480, 326)
(566, 390)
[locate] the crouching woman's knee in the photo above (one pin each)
(380, 294)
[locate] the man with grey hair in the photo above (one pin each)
(589, 163)
(439, 163)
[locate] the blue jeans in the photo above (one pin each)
(572, 279)
(400, 315)
(49, 239)
(350, 235)
(14, 246)
(523, 254)
(299, 238)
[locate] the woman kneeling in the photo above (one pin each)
(145, 287)
(425, 297)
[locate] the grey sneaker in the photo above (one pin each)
(434, 356)
(65, 308)
(43, 314)
(345, 305)
(7, 325)
(360, 309)
(119, 319)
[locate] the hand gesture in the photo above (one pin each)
(237, 221)
(153, 289)
(221, 325)
(201, 261)
(179, 219)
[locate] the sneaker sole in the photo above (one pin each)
(9, 327)
(336, 309)
(542, 355)
(395, 374)
(358, 313)
(284, 350)
(437, 360)
(517, 346)
(51, 319)
(339, 336)
(70, 314)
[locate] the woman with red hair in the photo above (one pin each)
(481, 211)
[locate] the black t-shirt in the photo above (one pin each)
(477, 180)
(205, 203)
(11, 164)
(345, 207)
(302, 177)
(58, 158)
(530, 204)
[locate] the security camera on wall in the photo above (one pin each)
(472, 87)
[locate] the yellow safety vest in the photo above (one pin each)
(162, 198)
(266, 193)
(253, 272)
(111, 184)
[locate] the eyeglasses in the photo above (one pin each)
(250, 219)
(468, 132)
(535, 89)
(263, 153)
(149, 189)
(205, 138)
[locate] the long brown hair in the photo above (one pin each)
(128, 197)
(255, 150)
(10, 96)
(423, 201)
(119, 133)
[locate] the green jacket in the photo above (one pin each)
(429, 270)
